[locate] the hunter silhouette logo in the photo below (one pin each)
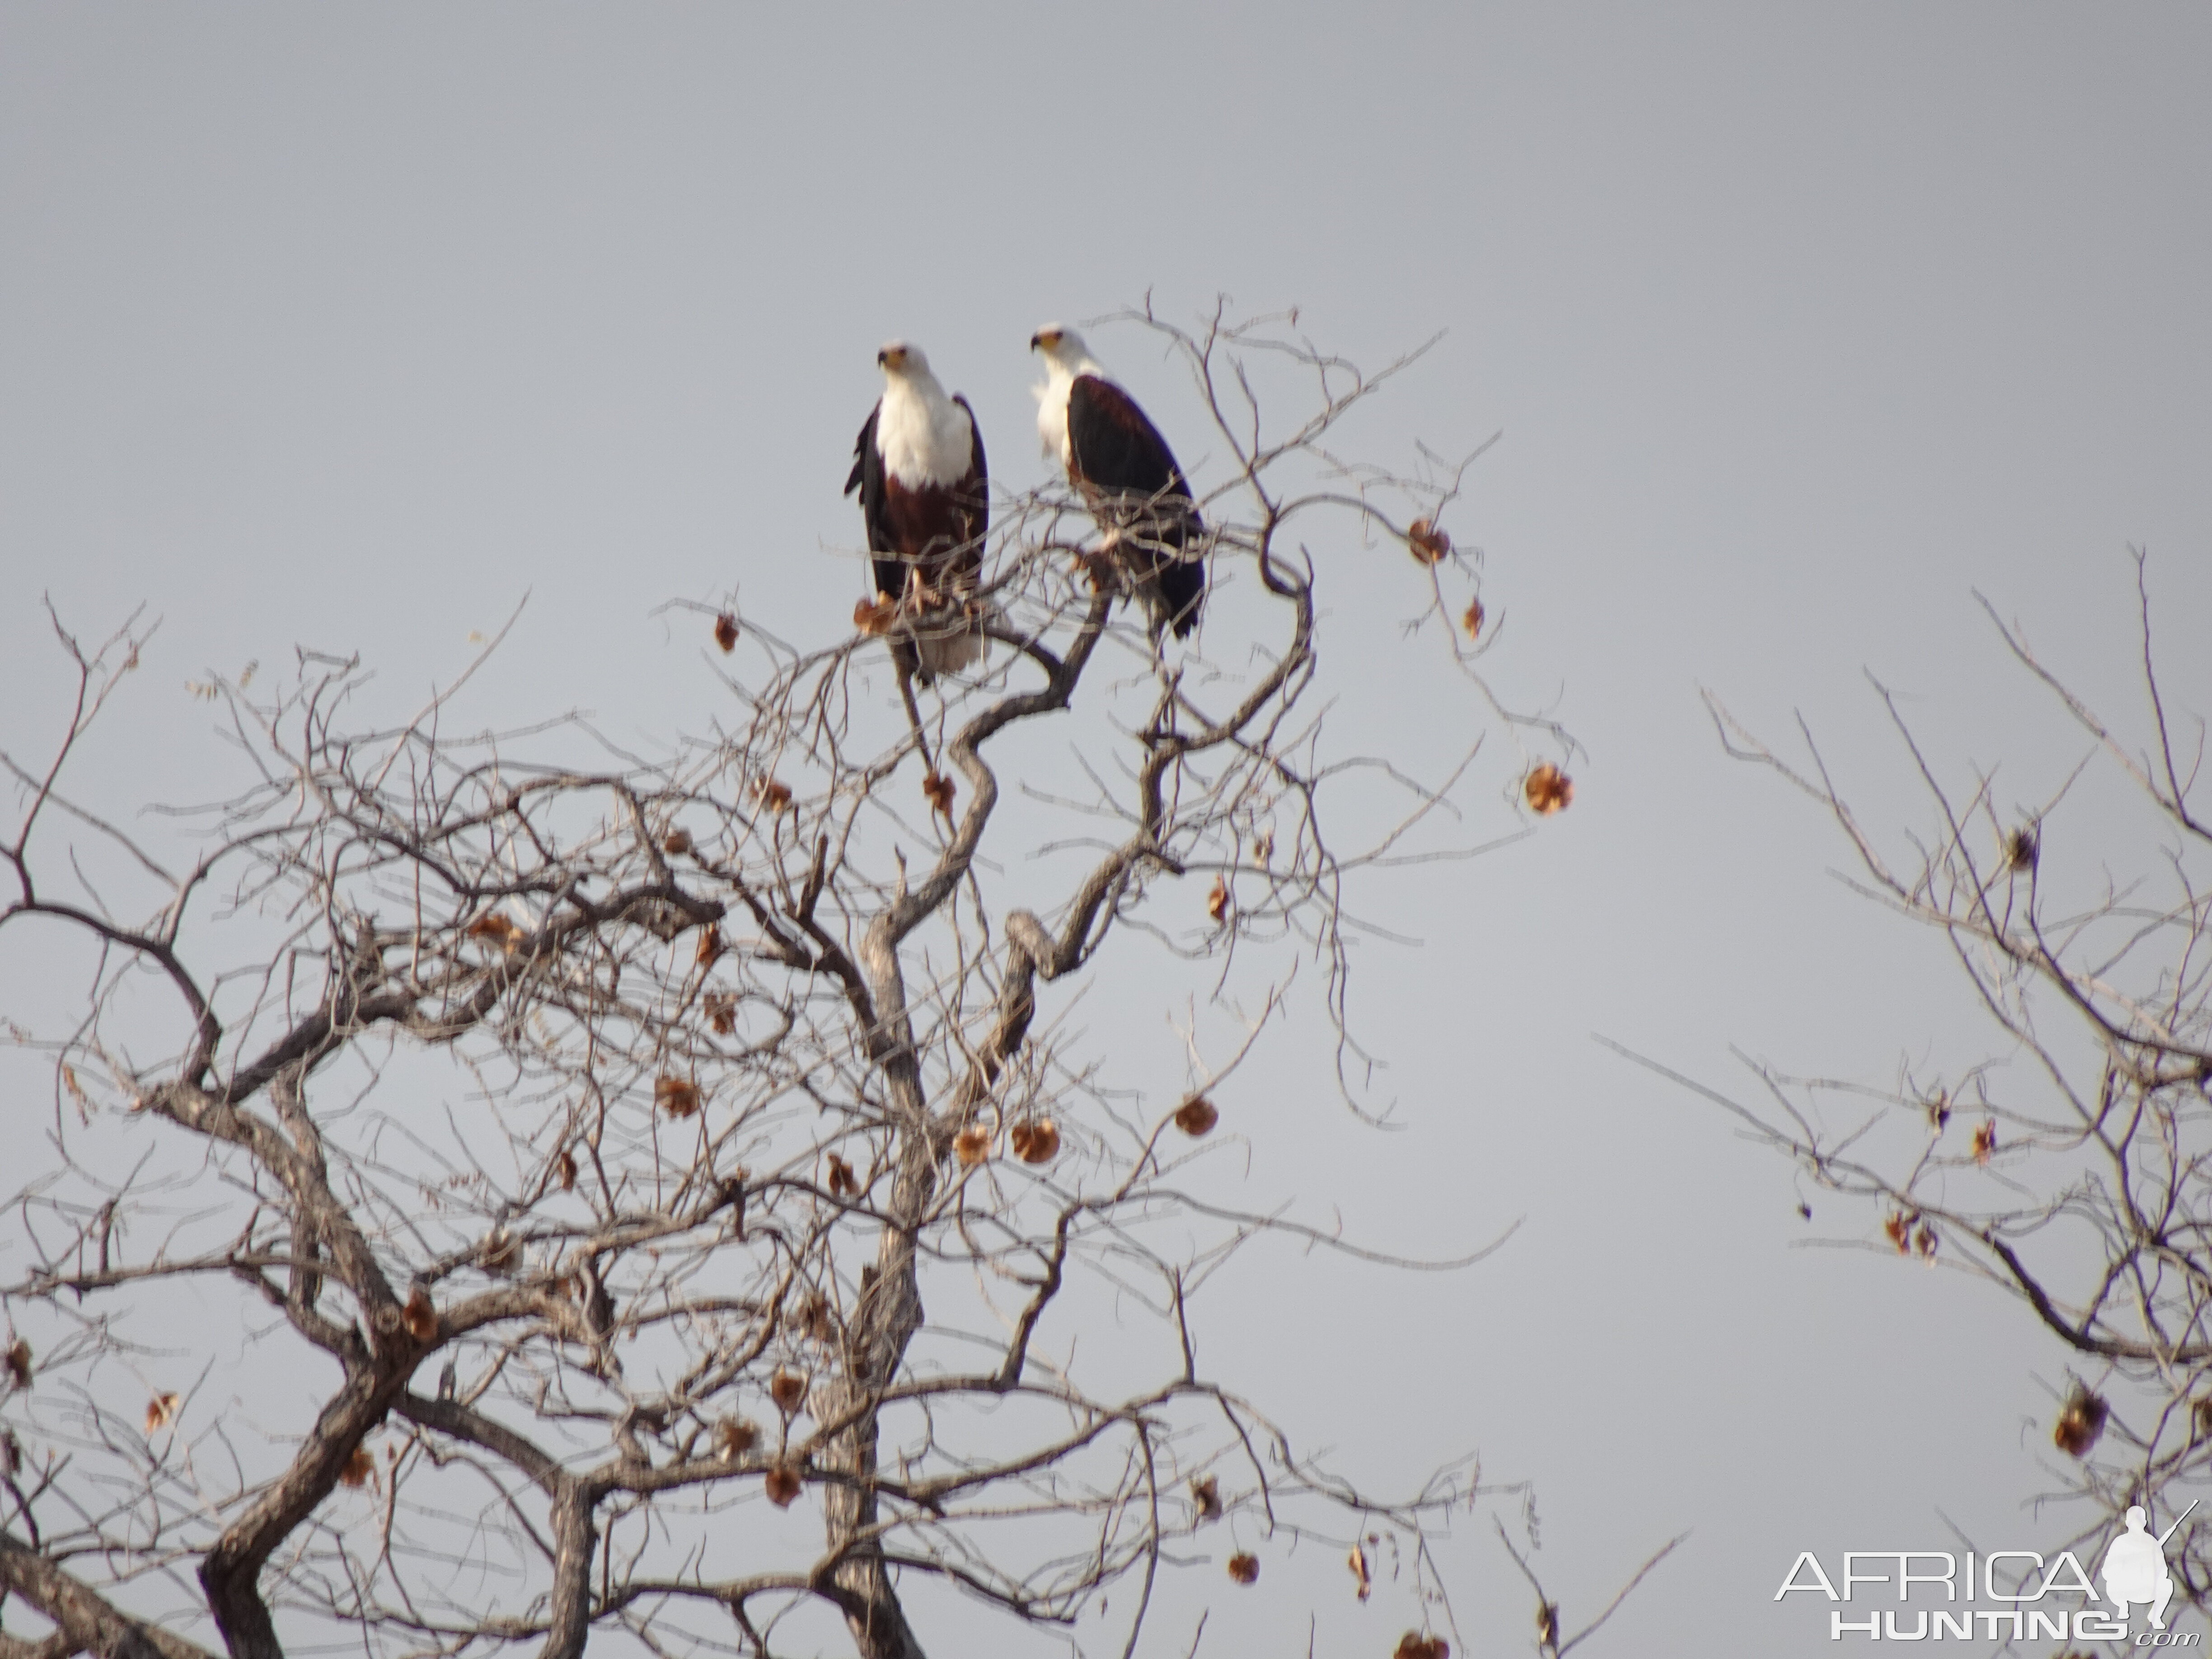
(2134, 1567)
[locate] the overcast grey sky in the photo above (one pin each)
(346, 325)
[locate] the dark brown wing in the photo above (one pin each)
(973, 496)
(1117, 458)
(867, 478)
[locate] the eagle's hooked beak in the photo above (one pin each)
(1044, 340)
(891, 357)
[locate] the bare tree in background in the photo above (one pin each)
(2071, 1169)
(746, 1276)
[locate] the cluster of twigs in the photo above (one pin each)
(2072, 1168)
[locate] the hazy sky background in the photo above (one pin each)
(345, 326)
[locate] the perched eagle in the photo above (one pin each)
(925, 494)
(1128, 477)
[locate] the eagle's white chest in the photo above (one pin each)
(923, 440)
(1052, 418)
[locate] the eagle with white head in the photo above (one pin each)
(1128, 477)
(925, 497)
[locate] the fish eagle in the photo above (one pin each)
(1128, 477)
(925, 494)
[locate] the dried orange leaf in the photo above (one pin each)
(676, 1096)
(162, 1410)
(1473, 619)
(710, 946)
(843, 1181)
(1035, 1142)
(1244, 1568)
(721, 1009)
(677, 841)
(564, 1169)
(736, 1435)
(938, 789)
(1549, 790)
(788, 1390)
(2080, 1420)
(1216, 902)
(19, 1363)
(1196, 1117)
(1898, 1226)
(419, 1316)
(1427, 542)
(782, 1485)
(726, 631)
(496, 928)
(772, 796)
(1414, 1645)
(358, 1467)
(874, 616)
(972, 1145)
(1986, 1139)
(1358, 1562)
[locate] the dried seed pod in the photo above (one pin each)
(676, 841)
(1414, 1645)
(874, 617)
(2200, 1413)
(1548, 790)
(1216, 902)
(726, 631)
(1244, 1568)
(772, 796)
(1263, 848)
(2022, 848)
(19, 1363)
(419, 1316)
(782, 1484)
(1196, 1117)
(1938, 1107)
(676, 1096)
(1427, 542)
(842, 1183)
(1472, 618)
(736, 1435)
(972, 1145)
(1548, 1623)
(564, 1169)
(814, 1317)
(710, 946)
(162, 1410)
(788, 1390)
(1205, 1492)
(938, 789)
(358, 1467)
(1898, 1226)
(2080, 1420)
(1035, 1142)
(1923, 1240)
(1986, 1139)
(501, 1251)
(721, 1010)
(1358, 1562)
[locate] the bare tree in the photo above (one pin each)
(745, 1275)
(2071, 1166)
